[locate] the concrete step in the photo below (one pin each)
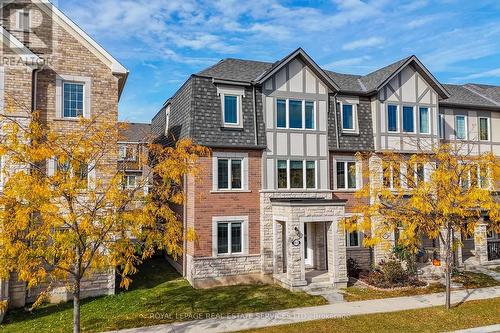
(318, 278)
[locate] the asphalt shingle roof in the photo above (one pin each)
(134, 132)
(249, 70)
(462, 95)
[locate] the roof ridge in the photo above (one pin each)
(468, 87)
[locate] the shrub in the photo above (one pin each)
(394, 273)
(353, 268)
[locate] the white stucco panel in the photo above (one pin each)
(281, 144)
(297, 144)
(296, 76)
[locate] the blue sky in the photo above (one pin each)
(162, 42)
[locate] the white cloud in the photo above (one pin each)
(486, 74)
(347, 62)
(362, 43)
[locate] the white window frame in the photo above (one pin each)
(244, 235)
(127, 148)
(428, 119)
(215, 171)
(414, 119)
(304, 175)
(466, 129)
(355, 123)
(87, 95)
(398, 129)
(287, 108)
(239, 92)
(391, 179)
(348, 239)
(83, 98)
(488, 125)
(19, 14)
(359, 177)
(127, 183)
(441, 124)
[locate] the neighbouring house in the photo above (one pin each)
(284, 169)
(133, 154)
(51, 65)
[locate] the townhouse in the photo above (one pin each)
(284, 168)
(133, 154)
(50, 65)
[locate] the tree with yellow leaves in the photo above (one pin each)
(438, 193)
(66, 214)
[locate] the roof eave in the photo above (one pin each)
(469, 106)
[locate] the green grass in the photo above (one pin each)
(158, 295)
(471, 280)
(353, 294)
(436, 319)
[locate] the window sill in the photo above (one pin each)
(343, 190)
(69, 119)
(229, 191)
(355, 248)
(350, 133)
(227, 256)
(232, 128)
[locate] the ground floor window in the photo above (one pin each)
(353, 239)
(229, 237)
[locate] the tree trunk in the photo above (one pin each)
(76, 308)
(448, 268)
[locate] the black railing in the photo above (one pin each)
(494, 249)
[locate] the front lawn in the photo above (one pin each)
(436, 319)
(472, 280)
(158, 295)
(355, 293)
(496, 269)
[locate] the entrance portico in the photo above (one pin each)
(291, 218)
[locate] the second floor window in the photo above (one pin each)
(130, 181)
(229, 173)
(296, 174)
(346, 175)
(484, 129)
(392, 118)
(424, 120)
(231, 110)
(441, 126)
(348, 118)
(408, 119)
(73, 99)
(23, 20)
(126, 153)
(461, 127)
(295, 114)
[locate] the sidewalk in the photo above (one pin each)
(290, 316)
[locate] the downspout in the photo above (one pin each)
(255, 114)
(337, 137)
(184, 224)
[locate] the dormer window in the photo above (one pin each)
(23, 20)
(231, 104)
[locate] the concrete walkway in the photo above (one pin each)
(340, 310)
(484, 329)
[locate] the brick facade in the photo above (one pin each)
(71, 56)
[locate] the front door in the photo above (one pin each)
(308, 244)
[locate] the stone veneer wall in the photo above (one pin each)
(266, 221)
(361, 255)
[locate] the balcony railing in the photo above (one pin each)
(494, 249)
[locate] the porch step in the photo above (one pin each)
(317, 277)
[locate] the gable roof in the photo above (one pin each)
(480, 95)
(300, 53)
(465, 95)
(134, 132)
(81, 35)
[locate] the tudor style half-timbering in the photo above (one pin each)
(285, 138)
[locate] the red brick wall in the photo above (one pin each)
(204, 205)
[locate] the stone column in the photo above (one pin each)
(295, 268)
(337, 255)
(278, 247)
(481, 242)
